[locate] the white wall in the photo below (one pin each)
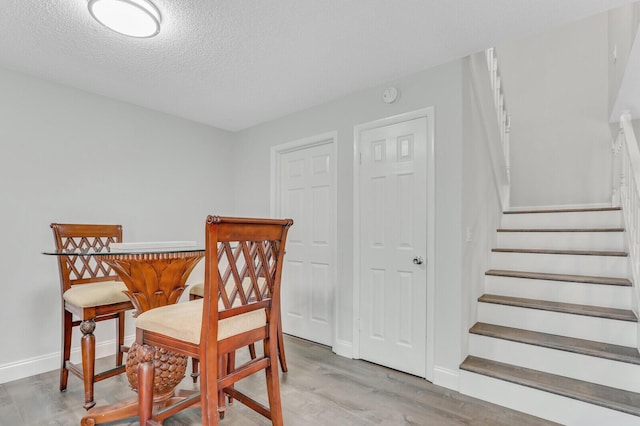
(622, 28)
(557, 92)
(69, 156)
(440, 87)
(482, 179)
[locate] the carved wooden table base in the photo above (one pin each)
(153, 280)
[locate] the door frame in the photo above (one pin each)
(430, 304)
(277, 151)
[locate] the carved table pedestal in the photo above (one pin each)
(155, 278)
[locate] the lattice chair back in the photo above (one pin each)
(247, 272)
(78, 269)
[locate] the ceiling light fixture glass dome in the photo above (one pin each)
(134, 18)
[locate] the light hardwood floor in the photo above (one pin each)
(320, 389)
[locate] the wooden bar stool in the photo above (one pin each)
(201, 330)
(90, 292)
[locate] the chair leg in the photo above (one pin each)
(120, 338)
(281, 355)
(252, 351)
(88, 346)
(67, 328)
(273, 383)
(231, 366)
(145, 384)
(195, 367)
(223, 368)
(209, 396)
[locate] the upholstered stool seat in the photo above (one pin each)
(197, 290)
(183, 321)
(96, 294)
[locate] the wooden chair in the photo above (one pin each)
(197, 292)
(90, 292)
(200, 329)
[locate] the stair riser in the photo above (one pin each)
(577, 366)
(542, 404)
(603, 266)
(579, 326)
(562, 240)
(600, 219)
(609, 296)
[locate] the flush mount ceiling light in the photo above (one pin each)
(134, 18)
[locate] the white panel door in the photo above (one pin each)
(306, 194)
(393, 245)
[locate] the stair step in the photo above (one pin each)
(560, 277)
(604, 396)
(569, 264)
(567, 252)
(564, 218)
(568, 210)
(554, 240)
(581, 346)
(567, 308)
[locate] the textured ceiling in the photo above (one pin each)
(236, 63)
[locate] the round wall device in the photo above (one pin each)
(390, 95)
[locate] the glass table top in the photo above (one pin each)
(106, 251)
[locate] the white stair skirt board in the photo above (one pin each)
(562, 240)
(592, 369)
(566, 411)
(610, 296)
(600, 266)
(579, 326)
(560, 220)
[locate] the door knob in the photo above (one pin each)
(418, 260)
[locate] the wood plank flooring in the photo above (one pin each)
(320, 389)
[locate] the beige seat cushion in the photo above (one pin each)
(96, 294)
(197, 290)
(183, 321)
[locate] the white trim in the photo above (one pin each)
(446, 378)
(329, 138)
(41, 364)
(429, 114)
(343, 348)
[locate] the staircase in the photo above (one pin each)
(555, 335)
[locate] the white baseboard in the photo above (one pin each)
(343, 348)
(48, 362)
(447, 378)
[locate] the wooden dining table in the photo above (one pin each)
(155, 276)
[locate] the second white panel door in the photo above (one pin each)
(306, 194)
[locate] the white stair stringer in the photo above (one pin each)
(550, 406)
(605, 330)
(621, 375)
(611, 296)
